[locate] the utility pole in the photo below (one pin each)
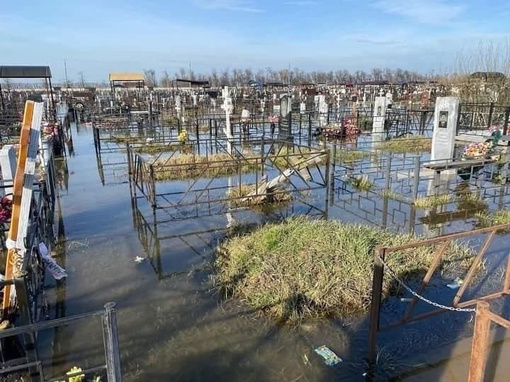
(82, 80)
(65, 74)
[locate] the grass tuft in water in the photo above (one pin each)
(305, 268)
(362, 183)
(432, 201)
(489, 219)
(414, 144)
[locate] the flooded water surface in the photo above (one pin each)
(172, 324)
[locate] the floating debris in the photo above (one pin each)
(139, 259)
(406, 299)
(330, 358)
(455, 284)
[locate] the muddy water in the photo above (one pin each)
(171, 325)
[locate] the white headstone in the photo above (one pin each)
(285, 106)
(323, 108)
(7, 168)
(245, 114)
(445, 128)
(379, 115)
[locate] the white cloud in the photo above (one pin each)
(229, 5)
(301, 3)
(423, 11)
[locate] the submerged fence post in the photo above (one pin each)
(112, 354)
(375, 310)
(480, 347)
(416, 183)
(387, 174)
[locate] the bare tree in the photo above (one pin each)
(150, 78)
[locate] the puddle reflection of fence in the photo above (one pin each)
(398, 191)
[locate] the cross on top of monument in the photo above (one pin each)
(227, 101)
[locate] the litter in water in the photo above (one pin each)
(330, 358)
(139, 259)
(455, 284)
(406, 299)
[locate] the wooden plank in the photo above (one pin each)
(26, 197)
(16, 202)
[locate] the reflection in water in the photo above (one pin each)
(171, 326)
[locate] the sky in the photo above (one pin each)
(96, 37)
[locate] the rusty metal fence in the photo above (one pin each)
(440, 246)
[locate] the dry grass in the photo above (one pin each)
(186, 166)
(156, 148)
(311, 268)
(414, 144)
(350, 156)
(239, 195)
(286, 158)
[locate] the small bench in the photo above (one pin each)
(439, 167)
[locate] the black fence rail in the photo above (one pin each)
(32, 364)
(476, 117)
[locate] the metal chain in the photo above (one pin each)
(437, 305)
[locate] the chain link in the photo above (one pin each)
(406, 287)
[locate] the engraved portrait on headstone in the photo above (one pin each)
(443, 119)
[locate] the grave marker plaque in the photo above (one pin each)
(445, 128)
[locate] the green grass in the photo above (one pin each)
(432, 201)
(414, 144)
(489, 219)
(314, 268)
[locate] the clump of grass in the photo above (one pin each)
(240, 196)
(305, 268)
(171, 120)
(489, 219)
(362, 183)
(155, 148)
(186, 166)
(471, 202)
(414, 144)
(432, 201)
(350, 156)
(127, 139)
(392, 195)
